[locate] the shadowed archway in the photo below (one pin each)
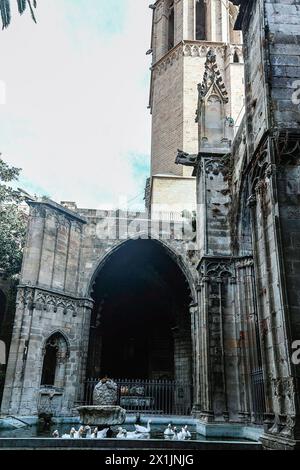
(140, 326)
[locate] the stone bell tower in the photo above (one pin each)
(183, 32)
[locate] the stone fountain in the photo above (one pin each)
(104, 412)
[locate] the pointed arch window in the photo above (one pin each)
(236, 58)
(55, 356)
(200, 20)
(171, 27)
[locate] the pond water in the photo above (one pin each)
(42, 431)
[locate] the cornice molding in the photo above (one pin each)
(196, 49)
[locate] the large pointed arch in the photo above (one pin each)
(141, 321)
(169, 249)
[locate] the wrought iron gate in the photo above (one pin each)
(149, 396)
(258, 396)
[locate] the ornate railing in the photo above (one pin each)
(149, 396)
(258, 396)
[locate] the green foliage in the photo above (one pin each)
(13, 222)
(5, 9)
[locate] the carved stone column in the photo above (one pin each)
(273, 198)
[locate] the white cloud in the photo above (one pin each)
(76, 113)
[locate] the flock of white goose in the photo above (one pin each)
(140, 432)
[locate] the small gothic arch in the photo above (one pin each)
(214, 115)
(236, 59)
(219, 271)
(56, 352)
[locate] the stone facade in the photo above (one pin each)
(239, 258)
(64, 252)
(177, 68)
(248, 208)
(272, 170)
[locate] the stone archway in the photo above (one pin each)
(140, 325)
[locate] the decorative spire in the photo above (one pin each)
(211, 111)
(212, 79)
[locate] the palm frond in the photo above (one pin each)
(31, 9)
(21, 6)
(5, 13)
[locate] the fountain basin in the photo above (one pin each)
(104, 415)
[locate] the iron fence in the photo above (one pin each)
(149, 396)
(258, 396)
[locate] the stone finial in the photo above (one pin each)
(212, 79)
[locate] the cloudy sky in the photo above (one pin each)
(75, 117)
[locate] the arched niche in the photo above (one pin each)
(214, 118)
(55, 356)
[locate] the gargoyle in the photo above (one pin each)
(186, 159)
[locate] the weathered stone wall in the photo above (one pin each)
(245, 308)
(176, 74)
(52, 250)
(167, 192)
(167, 113)
(269, 183)
(39, 314)
(213, 204)
(174, 99)
(257, 114)
(64, 252)
(283, 45)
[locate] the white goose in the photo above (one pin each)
(102, 434)
(78, 434)
(69, 436)
(133, 435)
(187, 432)
(121, 433)
(143, 429)
(169, 431)
(175, 435)
(182, 435)
(88, 432)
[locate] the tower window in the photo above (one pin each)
(171, 28)
(200, 20)
(236, 58)
(50, 363)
